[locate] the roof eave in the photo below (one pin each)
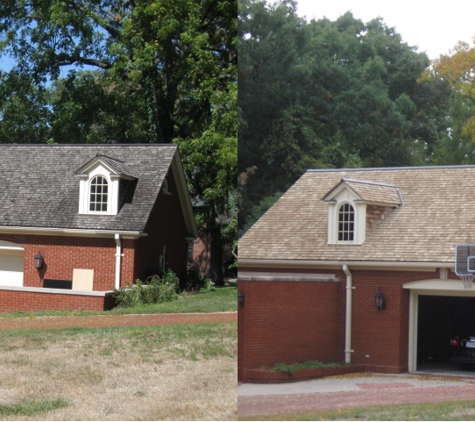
(336, 264)
(54, 231)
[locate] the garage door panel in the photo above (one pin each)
(11, 269)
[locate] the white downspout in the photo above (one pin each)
(349, 302)
(118, 260)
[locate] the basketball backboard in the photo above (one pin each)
(465, 259)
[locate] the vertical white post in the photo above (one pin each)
(118, 260)
(348, 320)
(413, 322)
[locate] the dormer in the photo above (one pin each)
(103, 185)
(354, 208)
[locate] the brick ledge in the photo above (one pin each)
(46, 290)
(265, 376)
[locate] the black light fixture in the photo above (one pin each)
(241, 298)
(380, 300)
(39, 261)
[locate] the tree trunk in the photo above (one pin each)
(216, 259)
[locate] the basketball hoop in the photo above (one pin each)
(467, 281)
(465, 263)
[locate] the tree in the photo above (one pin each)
(169, 49)
(24, 113)
(456, 72)
(211, 165)
(326, 94)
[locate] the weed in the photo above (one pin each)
(292, 367)
(154, 289)
(32, 407)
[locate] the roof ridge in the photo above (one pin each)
(362, 169)
(368, 182)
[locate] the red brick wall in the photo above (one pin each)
(289, 321)
(166, 227)
(62, 254)
(14, 301)
(202, 254)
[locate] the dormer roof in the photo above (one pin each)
(113, 166)
(369, 192)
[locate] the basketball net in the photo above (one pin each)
(467, 280)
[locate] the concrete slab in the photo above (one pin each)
(353, 382)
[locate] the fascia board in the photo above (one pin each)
(52, 231)
(332, 264)
(184, 195)
(333, 194)
(88, 167)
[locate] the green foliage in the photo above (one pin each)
(326, 94)
(194, 280)
(154, 289)
(311, 364)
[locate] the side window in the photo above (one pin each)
(98, 194)
(346, 223)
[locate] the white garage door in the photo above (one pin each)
(11, 268)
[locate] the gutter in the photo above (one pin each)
(294, 263)
(118, 260)
(51, 231)
(348, 314)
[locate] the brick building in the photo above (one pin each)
(78, 220)
(314, 268)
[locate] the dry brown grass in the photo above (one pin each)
(149, 373)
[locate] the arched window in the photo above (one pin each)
(346, 223)
(99, 191)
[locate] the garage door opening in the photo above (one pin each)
(441, 318)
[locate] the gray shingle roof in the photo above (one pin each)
(39, 186)
(437, 214)
(119, 167)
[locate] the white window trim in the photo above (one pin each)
(359, 224)
(85, 189)
(354, 223)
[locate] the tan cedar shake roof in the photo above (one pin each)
(437, 212)
(371, 192)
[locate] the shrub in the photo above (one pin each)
(194, 280)
(154, 289)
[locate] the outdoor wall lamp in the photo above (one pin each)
(241, 298)
(380, 300)
(39, 261)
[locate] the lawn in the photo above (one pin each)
(442, 411)
(180, 372)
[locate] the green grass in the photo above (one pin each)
(190, 341)
(221, 299)
(441, 411)
(32, 407)
(290, 368)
